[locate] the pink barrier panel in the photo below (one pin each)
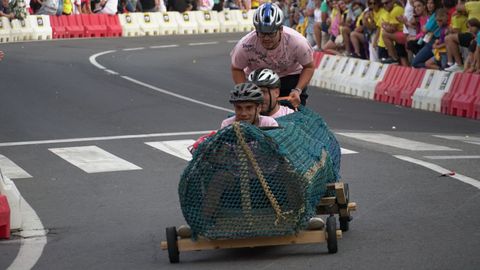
(74, 25)
(393, 76)
(93, 27)
(114, 28)
(462, 95)
(463, 100)
(477, 109)
(404, 97)
(58, 29)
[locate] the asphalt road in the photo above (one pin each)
(408, 216)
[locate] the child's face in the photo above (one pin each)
(430, 5)
(270, 97)
(246, 111)
(442, 20)
(419, 8)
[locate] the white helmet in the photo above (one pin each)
(264, 77)
(268, 18)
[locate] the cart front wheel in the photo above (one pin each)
(173, 253)
(331, 231)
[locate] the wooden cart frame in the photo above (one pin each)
(337, 204)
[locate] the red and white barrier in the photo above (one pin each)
(434, 85)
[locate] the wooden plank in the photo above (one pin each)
(327, 201)
(303, 237)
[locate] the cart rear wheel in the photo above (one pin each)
(173, 253)
(331, 230)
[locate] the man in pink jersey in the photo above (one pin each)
(269, 82)
(247, 99)
(278, 48)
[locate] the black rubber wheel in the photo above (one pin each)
(331, 231)
(344, 222)
(173, 253)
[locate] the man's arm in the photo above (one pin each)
(238, 75)
(305, 77)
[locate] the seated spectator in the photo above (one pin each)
(439, 59)
(456, 40)
(470, 63)
(181, 5)
(151, 6)
(86, 7)
(338, 20)
(320, 27)
(269, 82)
(356, 26)
(48, 7)
(247, 99)
(392, 34)
(432, 32)
(205, 5)
(107, 7)
(5, 10)
(369, 36)
(415, 43)
(476, 55)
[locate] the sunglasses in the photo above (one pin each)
(270, 35)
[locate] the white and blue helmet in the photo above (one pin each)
(268, 18)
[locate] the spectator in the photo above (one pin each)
(6, 11)
(415, 43)
(48, 7)
(205, 4)
(338, 19)
(181, 5)
(371, 24)
(431, 34)
(474, 26)
(356, 23)
(86, 7)
(439, 59)
(218, 5)
(276, 47)
(151, 5)
(309, 14)
(320, 27)
(455, 41)
(476, 56)
(107, 7)
(392, 34)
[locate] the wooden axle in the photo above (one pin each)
(303, 237)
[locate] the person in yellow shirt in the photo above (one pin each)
(368, 30)
(392, 33)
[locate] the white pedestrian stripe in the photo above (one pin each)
(452, 157)
(12, 170)
(397, 142)
(466, 139)
(93, 159)
(178, 148)
(346, 151)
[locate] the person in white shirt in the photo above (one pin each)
(269, 82)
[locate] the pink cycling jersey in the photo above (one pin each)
(292, 53)
(264, 121)
(284, 110)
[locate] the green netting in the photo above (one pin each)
(247, 182)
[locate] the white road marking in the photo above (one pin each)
(452, 157)
(177, 95)
(397, 142)
(93, 159)
(111, 72)
(436, 168)
(105, 138)
(12, 170)
(93, 58)
(33, 239)
(133, 49)
(202, 43)
(466, 139)
(346, 151)
(164, 46)
(232, 41)
(178, 148)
